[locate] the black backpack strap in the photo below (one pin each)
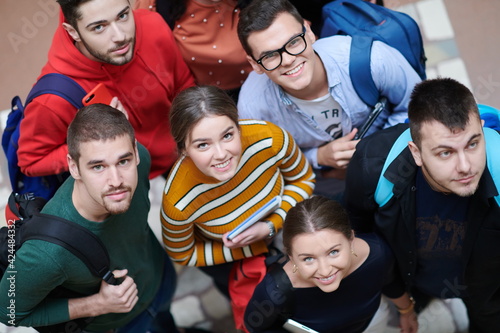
(78, 240)
(60, 85)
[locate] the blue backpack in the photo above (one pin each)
(367, 22)
(490, 115)
(45, 186)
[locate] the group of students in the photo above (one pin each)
(289, 135)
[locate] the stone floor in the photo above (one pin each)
(459, 42)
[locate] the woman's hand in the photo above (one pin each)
(256, 232)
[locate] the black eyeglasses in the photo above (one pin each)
(295, 46)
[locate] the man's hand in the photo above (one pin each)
(408, 322)
(110, 299)
(115, 102)
(120, 298)
(338, 153)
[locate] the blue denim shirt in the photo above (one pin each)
(261, 98)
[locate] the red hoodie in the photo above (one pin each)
(146, 87)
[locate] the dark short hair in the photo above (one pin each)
(312, 215)
(444, 100)
(97, 122)
(259, 15)
(195, 103)
(71, 10)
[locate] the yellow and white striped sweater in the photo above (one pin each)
(197, 210)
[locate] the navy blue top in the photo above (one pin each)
(348, 309)
(440, 233)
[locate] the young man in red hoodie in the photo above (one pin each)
(134, 54)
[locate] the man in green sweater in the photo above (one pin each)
(107, 194)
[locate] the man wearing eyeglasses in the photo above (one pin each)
(307, 88)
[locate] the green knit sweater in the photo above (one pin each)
(42, 266)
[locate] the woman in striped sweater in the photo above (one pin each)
(226, 171)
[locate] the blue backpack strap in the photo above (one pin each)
(359, 69)
(490, 115)
(492, 139)
(60, 85)
(383, 193)
(53, 83)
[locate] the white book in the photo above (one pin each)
(262, 212)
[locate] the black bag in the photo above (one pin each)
(25, 222)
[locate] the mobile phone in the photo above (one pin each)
(296, 327)
(265, 210)
(377, 110)
(100, 94)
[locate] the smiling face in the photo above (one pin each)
(302, 75)
(105, 32)
(214, 145)
(323, 258)
(451, 161)
(105, 177)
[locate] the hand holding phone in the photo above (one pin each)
(100, 94)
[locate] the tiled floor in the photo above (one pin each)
(460, 41)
